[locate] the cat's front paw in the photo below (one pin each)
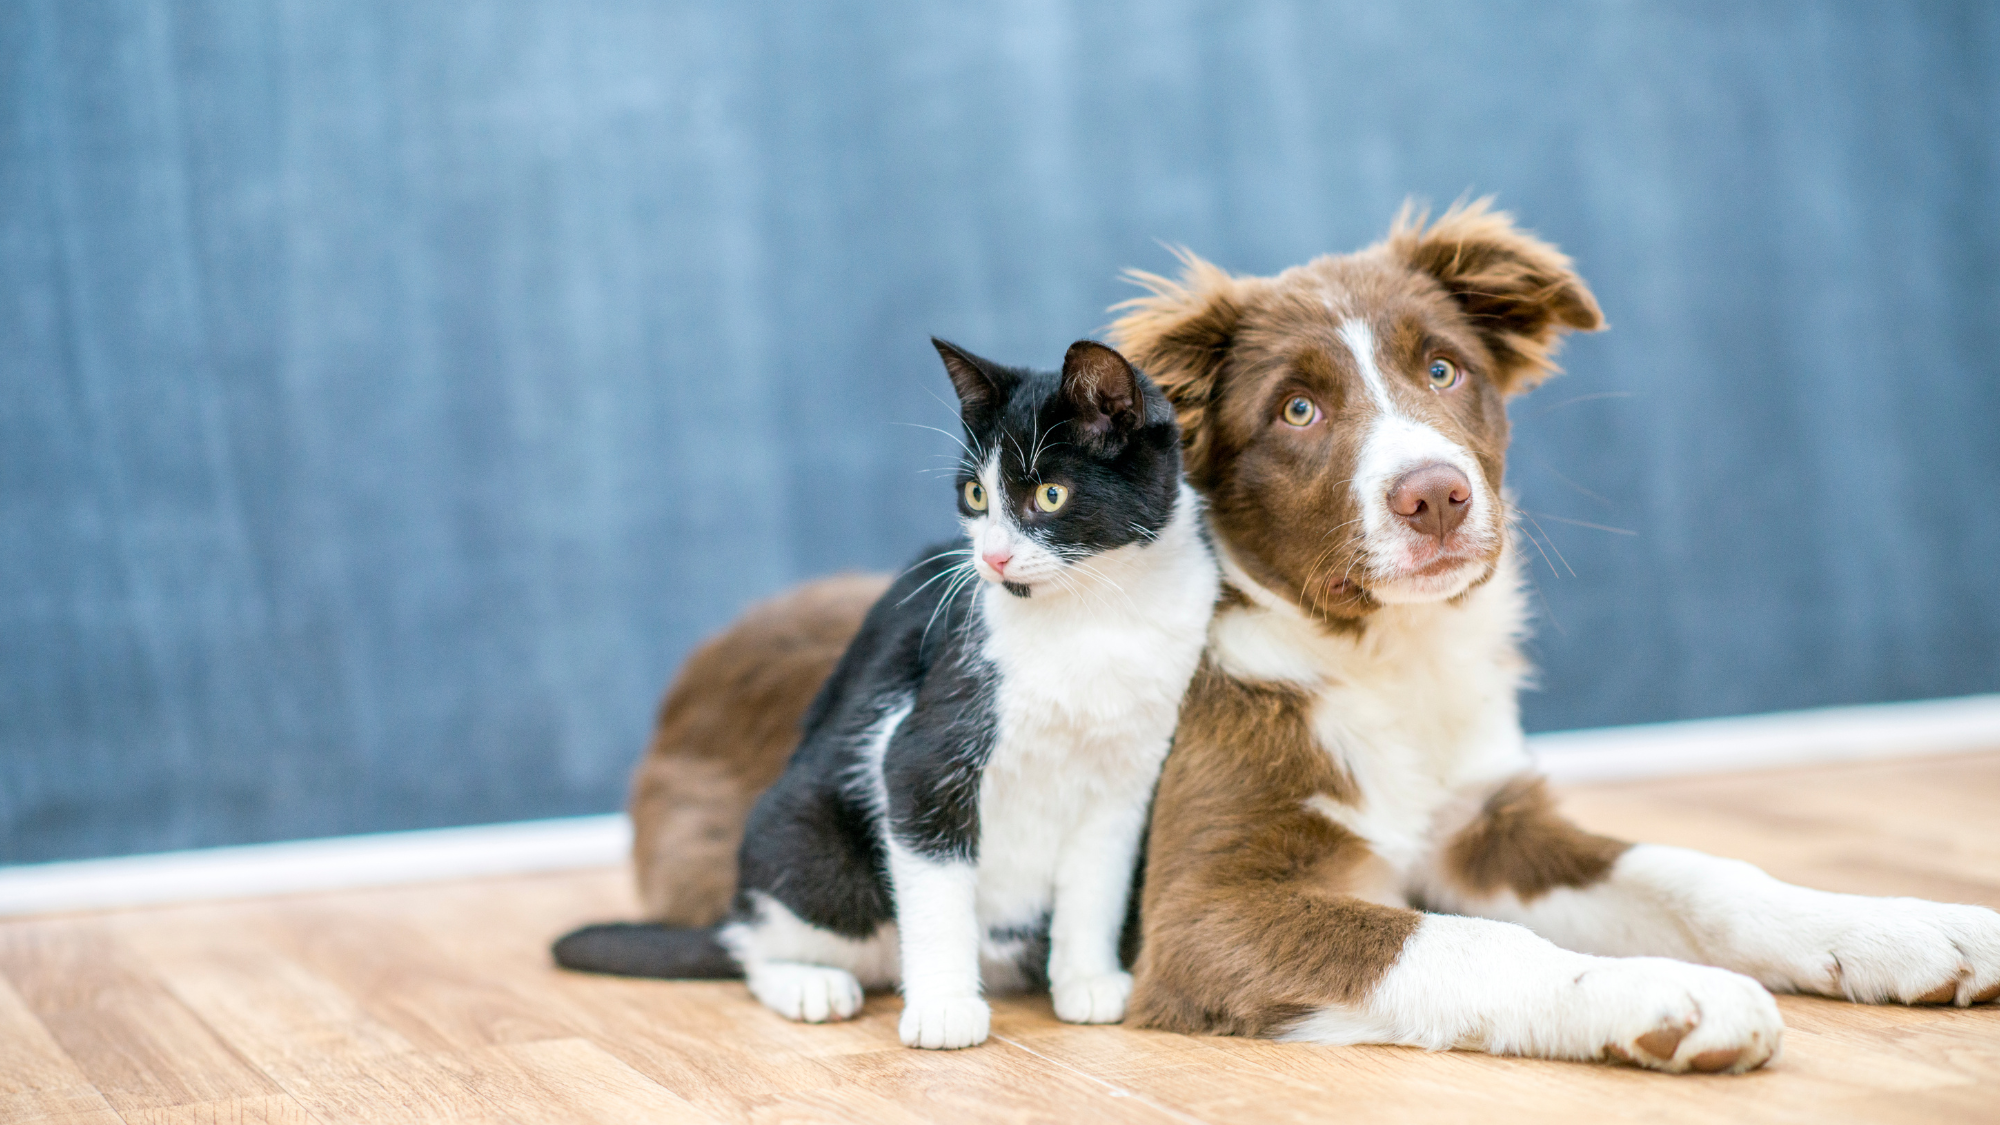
(1095, 999)
(1672, 1016)
(944, 1023)
(1906, 951)
(811, 993)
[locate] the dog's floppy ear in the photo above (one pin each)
(1520, 292)
(1180, 334)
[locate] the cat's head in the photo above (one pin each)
(1060, 467)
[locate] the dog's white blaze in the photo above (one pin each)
(1395, 444)
(1360, 340)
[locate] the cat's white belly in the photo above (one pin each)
(1085, 741)
(1090, 688)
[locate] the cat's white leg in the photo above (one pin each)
(1093, 885)
(1674, 902)
(803, 972)
(1475, 984)
(937, 918)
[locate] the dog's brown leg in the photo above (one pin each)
(1520, 861)
(725, 730)
(1256, 907)
(1519, 843)
(1264, 915)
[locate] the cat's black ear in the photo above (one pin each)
(974, 379)
(1102, 387)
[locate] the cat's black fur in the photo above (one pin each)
(813, 842)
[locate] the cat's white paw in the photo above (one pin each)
(1899, 951)
(944, 1023)
(1673, 1016)
(1096, 999)
(812, 993)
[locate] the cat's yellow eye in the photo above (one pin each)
(1049, 497)
(1444, 374)
(975, 496)
(1300, 411)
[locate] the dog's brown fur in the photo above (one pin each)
(725, 731)
(1228, 350)
(1259, 906)
(1242, 864)
(1256, 908)
(1520, 843)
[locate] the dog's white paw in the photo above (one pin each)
(1902, 951)
(944, 1023)
(1673, 1016)
(1096, 999)
(812, 993)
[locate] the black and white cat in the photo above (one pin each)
(965, 810)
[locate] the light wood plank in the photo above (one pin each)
(74, 1105)
(280, 1110)
(439, 1004)
(569, 1080)
(139, 1046)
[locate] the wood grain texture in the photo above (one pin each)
(438, 1004)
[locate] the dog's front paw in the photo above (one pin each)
(1907, 951)
(1672, 1016)
(812, 993)
(944, 1023)
(1096, 999)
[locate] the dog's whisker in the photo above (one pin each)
(1551, 542)
(1581, 523)
(1545, 412)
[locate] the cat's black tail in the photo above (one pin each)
(646, 949)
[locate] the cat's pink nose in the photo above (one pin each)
(998, 558)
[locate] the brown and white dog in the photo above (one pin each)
(1349, 842)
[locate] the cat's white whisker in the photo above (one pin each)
(1002, 762)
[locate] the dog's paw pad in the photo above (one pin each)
(1720, 1059)
(1684, 1017)
(1942, 994)
(1661, 1041)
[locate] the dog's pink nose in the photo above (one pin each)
(1433, 499)
(998, 558)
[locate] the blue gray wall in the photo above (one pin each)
(391, 393)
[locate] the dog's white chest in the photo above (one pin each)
(1418, 711)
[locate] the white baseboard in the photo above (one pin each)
(377, 860)
(1787, 738)
(1795, 738)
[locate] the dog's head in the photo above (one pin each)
(1347, 418)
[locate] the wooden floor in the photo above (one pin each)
(438, 1003)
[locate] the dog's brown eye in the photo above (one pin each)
(1444, 374)
(1300, 411)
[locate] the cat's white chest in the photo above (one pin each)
(1089, 692)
